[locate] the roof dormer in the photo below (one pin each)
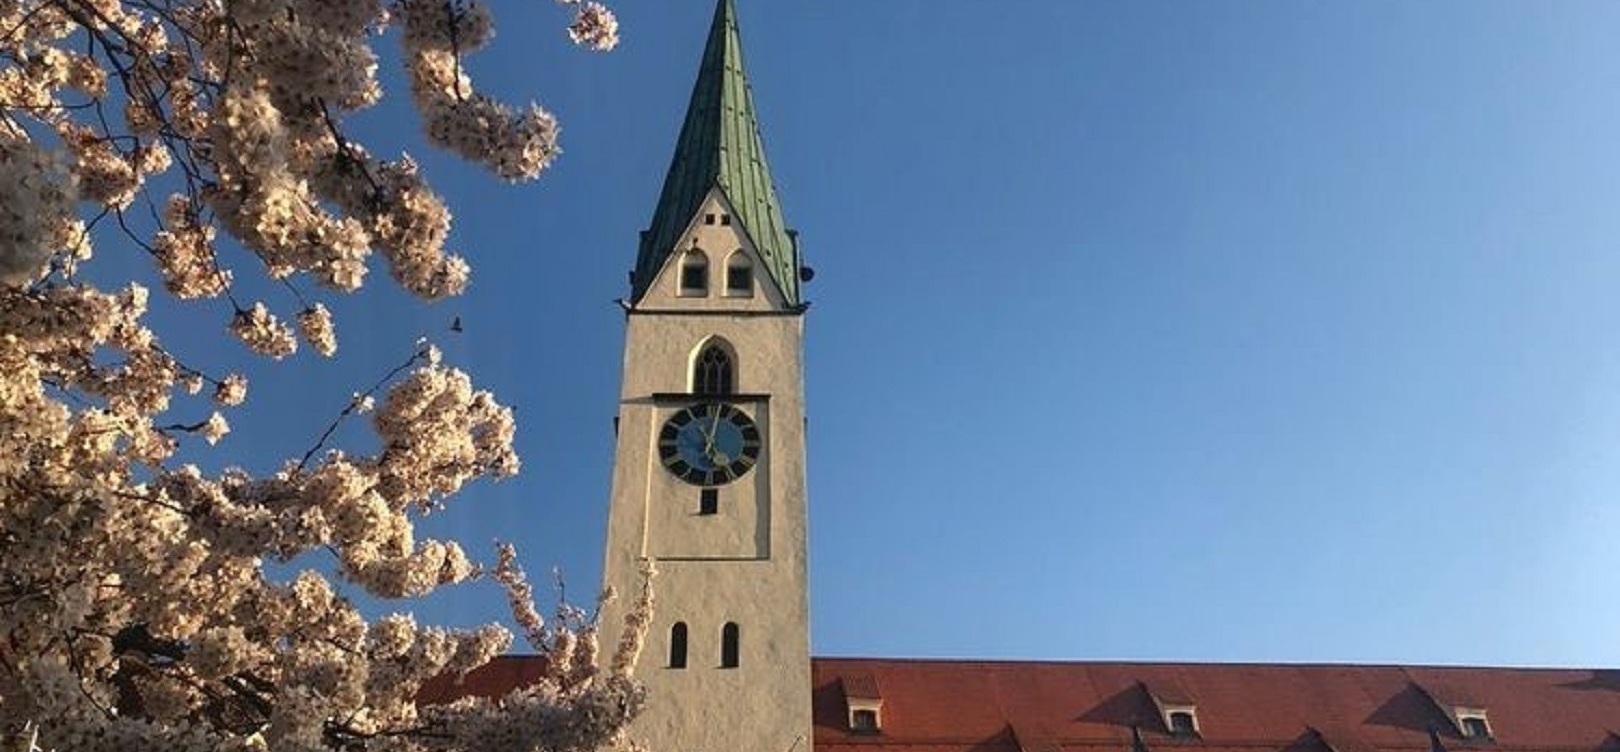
(1177, 711)
(1466, 713)
(863, 704)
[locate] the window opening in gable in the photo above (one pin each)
(677, 645)
(863, 720)
(709, 501)
(725, 219)
(712, 371)
(739, 275)
(708, 219)
(694, 274)
(729, 638)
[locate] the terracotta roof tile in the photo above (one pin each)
(1253, 707)
(1012, 706)
(862, 687)
(493, 679)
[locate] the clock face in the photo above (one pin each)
(709, 444)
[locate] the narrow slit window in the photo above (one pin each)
(739, 276)
(728, 645)
(712, 372)
(694, 274)
(677, 645)
(709, 501)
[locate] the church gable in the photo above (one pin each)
(714, 266)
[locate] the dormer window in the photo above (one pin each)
(1182, 723)
(864, 703)
(1175, 706)
(739, 276)
(865, 721)
(1464, 709)
(1474, 726)
(694, 274)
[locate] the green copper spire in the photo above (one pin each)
(720, 146)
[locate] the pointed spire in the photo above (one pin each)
(719, 146)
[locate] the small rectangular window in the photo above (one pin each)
(708, 219)
(739, 280)
(693, 279)
(863, 720)
(1182, 723)
(725, 219)
(709, 501)
(1475, 728)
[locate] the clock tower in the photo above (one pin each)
(709, 467)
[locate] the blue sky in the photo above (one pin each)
(1262, 331)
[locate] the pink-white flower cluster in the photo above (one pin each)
(594, 26)
(135, 610)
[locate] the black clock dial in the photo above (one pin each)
(709, 444)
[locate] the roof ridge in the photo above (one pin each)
(1201, 663)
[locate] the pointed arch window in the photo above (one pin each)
(694, 281)
(712, 370)
(729, 653)
(739, 275)
(677, 645)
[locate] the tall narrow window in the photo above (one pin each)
(677, 645)
(739, 275)
(728, 645)
(711, 372)
(694, 274)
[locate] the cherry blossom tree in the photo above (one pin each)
(135, 610)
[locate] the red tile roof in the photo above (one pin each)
(991, 706)
(492, 679)
(1017, 706)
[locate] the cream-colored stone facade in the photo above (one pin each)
(744, 564)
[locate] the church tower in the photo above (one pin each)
(709, 470)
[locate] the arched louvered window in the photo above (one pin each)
(728, 645)
(739, 275)
(712, 371)
(694, 273)
(677, 645)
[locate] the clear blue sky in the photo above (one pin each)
(1263, 331)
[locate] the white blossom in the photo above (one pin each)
(315, 324)
(136, 612)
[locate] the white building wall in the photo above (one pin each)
(745, 565)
